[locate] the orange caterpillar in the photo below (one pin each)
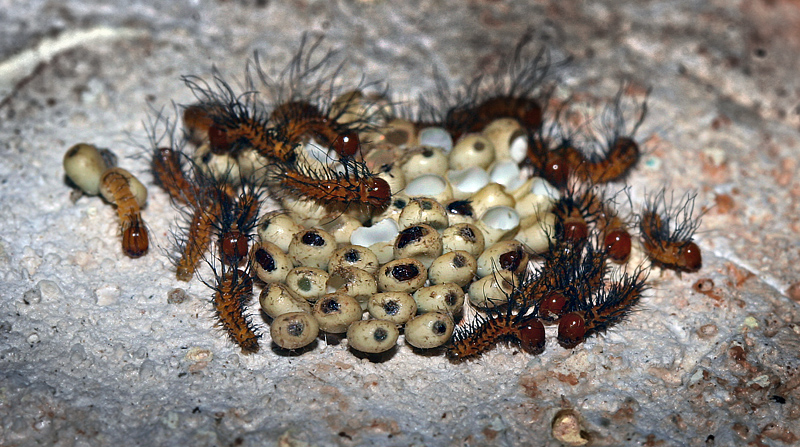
(591, 313)
(573, 272)
(231, 123)
(305, 109)
(355, 185)
(579, 208)
(312, 102)
(619, 154)
(480, 335)
(197, 239)
(116, 188)
(168, 172)
(613, 229)
(485, 99)
(567, 266)
(667, 231)
(474, 118)
(232, 292)
(204, 200)
(296, 120)
(235, 223)
(212, 207)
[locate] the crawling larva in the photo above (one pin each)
(121, 188)
(667, 230)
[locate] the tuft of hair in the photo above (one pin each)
(610, 305)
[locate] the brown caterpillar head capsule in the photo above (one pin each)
(575, 230)
(532, 337)
(135, 240)
(618, 245)
(234, 245)
(347, 144)
(556, 171)
(379, 193)
(625, 151)
(552, 306)
(531, 114)
(571, 330)
(218, 138)
(689, 258)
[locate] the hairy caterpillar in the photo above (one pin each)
(667, 229)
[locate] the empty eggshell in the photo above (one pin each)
(490, 196)
(498, 223)
(435, 136)
(252, 165)
(340, 226)
(396, 206)
(465, 183)
(506, 173)
(430, 185)
(222, 167)
(509, 138)
(540, 235)
(379, 238)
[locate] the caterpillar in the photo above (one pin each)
(667, 230)
(620, 153)
(168, 171)
(354, 184)
(613, 229)
(115, 185)
(511, 323)
(571, 269)
(509, 94)
(232, 291)
(553, 151)
(307, 99)
(235, 223)
(591, 313)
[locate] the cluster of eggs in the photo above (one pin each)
(463, 219)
